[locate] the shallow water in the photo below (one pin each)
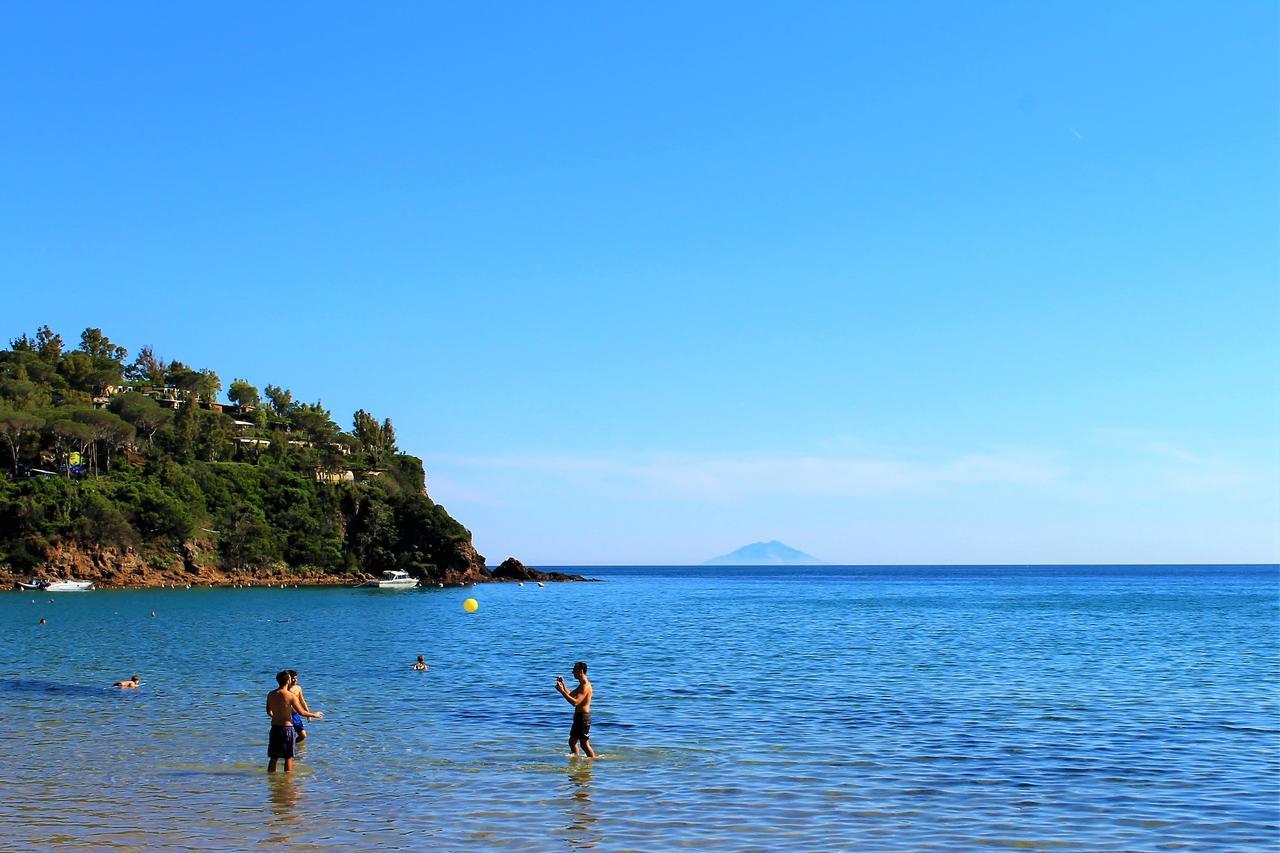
(831, 708)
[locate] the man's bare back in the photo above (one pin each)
(282, 704)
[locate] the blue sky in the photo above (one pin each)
(892, 283)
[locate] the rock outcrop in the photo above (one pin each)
(514, 570)
(460, 565)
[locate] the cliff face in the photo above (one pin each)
(109, 566)
(195, 564)
(462, 564)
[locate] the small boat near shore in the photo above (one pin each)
(391, 580)
(56, 585)
(68, 586)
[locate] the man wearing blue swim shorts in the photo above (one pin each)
(299, 723)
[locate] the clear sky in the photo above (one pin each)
(889, 282)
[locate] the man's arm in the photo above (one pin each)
(269, 704)
(570, 696)
(298, 706)
(302, 700)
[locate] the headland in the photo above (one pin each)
(141, 473)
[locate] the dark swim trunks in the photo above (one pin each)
(581, 726)
(281, 743)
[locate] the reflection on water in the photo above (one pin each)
(283, 793)
(581, 832)
(1090, 708)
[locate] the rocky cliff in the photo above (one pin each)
(195, 564)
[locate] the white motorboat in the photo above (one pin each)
(34, 584)
(392, 580)
(67, 586)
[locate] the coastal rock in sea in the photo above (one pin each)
(514, 570)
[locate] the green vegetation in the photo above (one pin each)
(140, 455)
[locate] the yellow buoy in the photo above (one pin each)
(471, 605)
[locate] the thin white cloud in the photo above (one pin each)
(729, 477)
(1185, 462)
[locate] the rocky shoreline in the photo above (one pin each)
(186, 567)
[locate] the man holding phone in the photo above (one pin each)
(580, 698)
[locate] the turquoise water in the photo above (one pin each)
(832, 708)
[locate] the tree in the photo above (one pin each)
(313, 421)
(281, 399)
(213, 437)
(98, 346)
(13, 426)
(389, 437)
(85, 373)
(48, 344)
(184, 378)
(247, 539)
(374, 438)
(208, 386)
(147, 368)
(104, 427)
(69, 435)
(146, 415)
(243, 394)
(180, 441)
(24, 395)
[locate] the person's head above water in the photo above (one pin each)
(293, 675)
(420, 660)
(282, 677)
(579, 669)
(135, 679)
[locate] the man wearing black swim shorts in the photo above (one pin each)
(580, 698)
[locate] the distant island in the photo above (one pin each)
(136, 473)
(772, 553)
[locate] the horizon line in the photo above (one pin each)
(863, 565)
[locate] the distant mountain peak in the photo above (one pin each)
(771, 553)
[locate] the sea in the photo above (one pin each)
(817, 708)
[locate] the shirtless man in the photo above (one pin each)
(299, 725)
(282, 705)
(580, 698)
(126, 685)
(421, 665)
